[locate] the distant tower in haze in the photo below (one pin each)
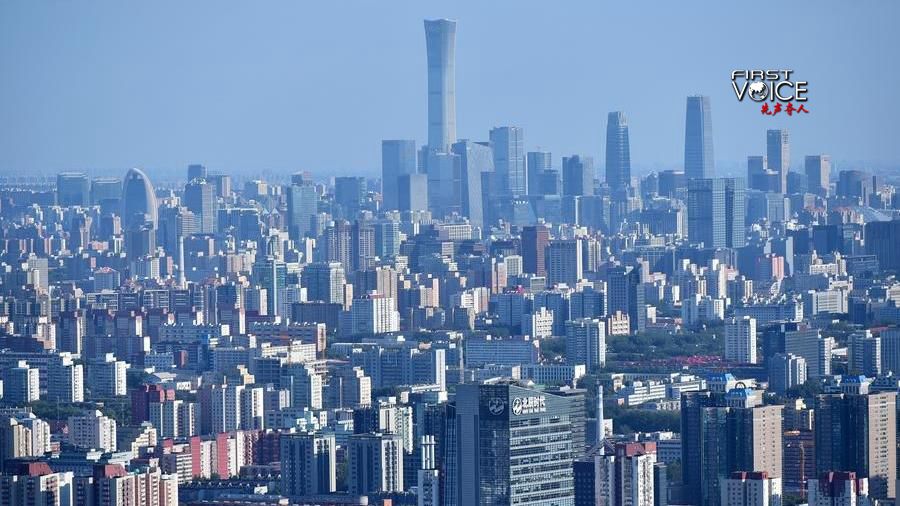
(698, 140)
(138, 200)
(398, 158)
(778, 152)
(509, 161)
(618, 153)
(440, 42)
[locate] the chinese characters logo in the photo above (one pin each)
(775, 90)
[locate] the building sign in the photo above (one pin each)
(529, 405)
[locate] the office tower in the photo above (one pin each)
(376, 463)
(527, 433)
(21, 384)
(716, 212)
(308, 464)
(271, 274)
(890, 351)
(440, 42)
(398, 158)
(196, 171)
(563, 262)
(577, 175)
(324, 281)
(200, 199)
(621, 475)
(72, 189)
(856, 185)
(387, 238)
(222, 184)
(624, 293)
(474, 159)
(883, 241)
(138, 201)
(534, 243)
(374, 314)
(751, 489)
(106, 189)
(786, 371)
(839, 488)
(302, 207)
(618, 152)
(698, 139)
(726, 432)
(349, 193)
(586, 343)
(537, 163)
(93, 430)
(444, 184)
(818, 174)
(864, 353)
(740, 340)
(670, 182)
(858, 433)
(509, 161)
(778, 153)
(412, 192)
(815, 350)
(759, 177)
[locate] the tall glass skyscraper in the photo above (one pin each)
(475, 159)
(537, 163)
(716, 212)
(778, 152)
(398, 157)
(509, 161)
(440, 42)
(618, 153)
(698, 140)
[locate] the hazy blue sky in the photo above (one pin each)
(315, 85)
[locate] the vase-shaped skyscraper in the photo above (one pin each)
(440, 42)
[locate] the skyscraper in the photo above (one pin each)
(528, 435)
(398, 157)
(200, 199)
(475, 159)
(413, 192)
(623, 289)
(858, 433)
(578, 175)
(564, 264)
(618, 153)
(440, 42)
(534, 243)
(778, 153)
(349, 193)
(716, 211)
(302, 206)
(698, 139)
(138, 200)
(509, 161)
(537, 163)
(818, 173)
(72, 189)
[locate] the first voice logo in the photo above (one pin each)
(776, 90)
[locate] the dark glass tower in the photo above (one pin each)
(698, 140)
(618, 153)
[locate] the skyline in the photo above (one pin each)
(208, 107)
